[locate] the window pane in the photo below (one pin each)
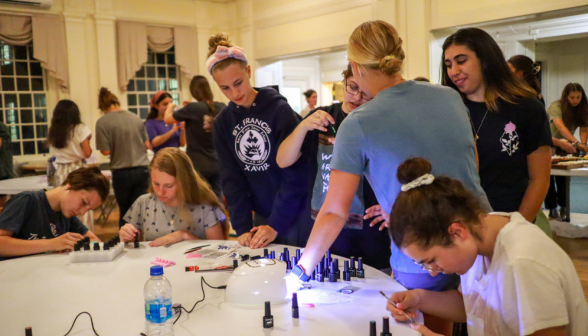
(173, 85)
(132, 99)
(28, 147)
(22, 68)
(171, 72)
(26, 116)
(12, 116)
(133, 109)
(28, 132)
(8, 84)
(26, 100)
(176, 98)
(150, 72)
(160, 58)
(40, 115)
(16, 148)
(42, 147)
(140, 73)
(36, 69)
(141, 85)
(1, 116)
(41, 131)
(20, 52)
(131, 85)
(151, 85)
(22, 84)
(7, 69)
(171, 59)
(10, 100)
(37, 84)
(6, 51)
(162, 84)
(161, 72)
(1, 101)
(150, 58)
(143, 99)
(40, 100)
(14, 133)
(143, 112)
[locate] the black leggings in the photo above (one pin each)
(128, 185)
(556, 195)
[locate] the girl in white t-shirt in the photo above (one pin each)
(514, 279)
(69, 141)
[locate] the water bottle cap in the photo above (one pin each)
(156, 270)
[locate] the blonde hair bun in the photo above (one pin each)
(220, 39)
(390, 64)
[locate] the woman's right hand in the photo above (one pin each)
(319, 120)
(407, 302)
(128, 232)
(568, 147)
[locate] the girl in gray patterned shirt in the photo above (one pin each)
(179, 206)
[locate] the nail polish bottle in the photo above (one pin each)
(352, 266)
(337, 271)
(268, 319)
(286, 254)
(360, 272)
(273, 255)
(294, 305)
(346, 275)
(386, 328)
(372, 328)
(137, 240)
(298, 254)
(332, 273)
(265, 253)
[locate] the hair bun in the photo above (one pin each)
(214, 41)
(412, 169)
(390, 64)
(103, 91)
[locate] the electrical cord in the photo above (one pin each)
(91, 321)
(202, 282)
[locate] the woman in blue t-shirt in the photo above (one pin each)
(163, 135)
(509, 123)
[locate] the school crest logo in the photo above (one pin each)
(252, 145)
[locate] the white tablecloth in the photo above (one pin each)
(46, 292)
(18, 185)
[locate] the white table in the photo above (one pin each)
(46, 292)
(18, 185)
(568, 173)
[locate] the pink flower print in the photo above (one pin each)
(510, 127)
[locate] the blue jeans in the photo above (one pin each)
(128, 185)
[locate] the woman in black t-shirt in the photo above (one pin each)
(510, 125)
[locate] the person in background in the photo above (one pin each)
(69, 141)
(247, 134)
(6, 165)
(378, 136)
(311, 97)
(566, 114)
(422, 79)
(313, 140)
(510, 271)
(179, 206)
(509, 123)
(198, 117)
(162, 134)
(524, 68)
(43, 221)
(121, 134)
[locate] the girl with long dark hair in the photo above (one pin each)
(163, 135)
(198, 117)
(510, 125)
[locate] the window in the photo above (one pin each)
(23, 99)
(159, 73)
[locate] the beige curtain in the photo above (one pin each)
(186, 50)
(132, 50)
(15, 30)
(160, 39)
(50, 47)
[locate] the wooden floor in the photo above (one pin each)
(577, 249)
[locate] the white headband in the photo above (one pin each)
(423, 180)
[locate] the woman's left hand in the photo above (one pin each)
(263, 235)
(171, 238)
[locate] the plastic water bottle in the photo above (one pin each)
(158, 304)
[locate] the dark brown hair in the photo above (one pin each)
(530, 70)
(422, 79)
(222, 39)
(308, 93)
(88, 178)
(577, 115)
(499, 79)
(106, 99)
(66, 116)
(200, 90)
(422, 215)
(154, 112)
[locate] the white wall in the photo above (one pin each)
(304, 73)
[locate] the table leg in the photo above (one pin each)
(568, 200)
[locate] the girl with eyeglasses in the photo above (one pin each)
(514, 279)
(313, 140)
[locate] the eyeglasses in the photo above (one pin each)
(429, 267)
(355, 90)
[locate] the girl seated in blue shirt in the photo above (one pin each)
(163, 135)
(179, 206)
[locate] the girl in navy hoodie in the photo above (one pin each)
(247, 134)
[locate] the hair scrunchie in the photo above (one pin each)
(222, 53)
(423, 180)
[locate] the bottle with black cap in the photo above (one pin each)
(286, 254)
(106, 246)
(320, 277)
(332, 273)
(96, 246)
(235, 264)
(294, 305)
(294, 261)
(360, 272)
(298, 254)
(28, 331)
(386, 328)
(86, 246)
(273, 255)
(346, 275)
(372, 328)
(136, 245)
(288, 265)
(268, 318)
(352, 266)
(282, 257)
(337, 271)
(265, 253)
(76, 247)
